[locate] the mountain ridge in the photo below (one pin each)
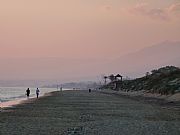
(149, 58)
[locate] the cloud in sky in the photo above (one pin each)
(106, 8)
(175, 9)
(164, 14)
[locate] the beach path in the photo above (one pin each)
(84, 113)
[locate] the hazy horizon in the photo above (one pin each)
(76, 40)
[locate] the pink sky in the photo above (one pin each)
(85, 29)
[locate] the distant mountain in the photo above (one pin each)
(83, 69)
(153, 57)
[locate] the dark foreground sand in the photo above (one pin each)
(83, 113)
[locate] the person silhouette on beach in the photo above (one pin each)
(37, 92)
(89, 90)
(28, 92)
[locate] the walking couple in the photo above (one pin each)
(28, 92)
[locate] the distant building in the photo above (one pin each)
(118, 76)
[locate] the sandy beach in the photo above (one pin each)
(166, 101)
(12, 103)
(83, 113)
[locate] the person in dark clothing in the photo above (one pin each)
(89, 90)
(28, 92)
(37, 92)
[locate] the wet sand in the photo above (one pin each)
(20, 101)
(83, 113)
(11, 103)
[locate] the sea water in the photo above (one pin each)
(15, 93)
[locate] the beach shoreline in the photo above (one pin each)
(81, 112)
(161, 100)
(12, 103)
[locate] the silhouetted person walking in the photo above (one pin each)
(37, 92)
(28, 92)
(89, 90)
